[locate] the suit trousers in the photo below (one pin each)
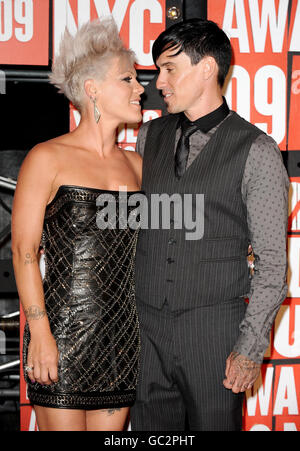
(182, 368)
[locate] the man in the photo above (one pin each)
(202, 345)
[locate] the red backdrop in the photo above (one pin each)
(264, 88)
(24, 28)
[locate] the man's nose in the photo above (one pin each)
(160, 82)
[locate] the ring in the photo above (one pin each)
(28, 368)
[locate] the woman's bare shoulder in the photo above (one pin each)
(44, 159)
(47, 150)
(136, 163)
(133, 156)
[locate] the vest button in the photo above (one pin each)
(172, 241)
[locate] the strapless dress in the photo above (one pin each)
(90, 302)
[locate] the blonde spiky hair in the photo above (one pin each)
(86, 55)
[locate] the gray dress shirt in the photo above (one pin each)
(265, 187)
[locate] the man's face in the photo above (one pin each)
(179, 81)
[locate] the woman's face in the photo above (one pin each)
(119, 94)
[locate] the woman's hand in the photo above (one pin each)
(43, 358)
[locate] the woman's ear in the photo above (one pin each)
(90, 88)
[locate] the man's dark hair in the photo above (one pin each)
(197, 38)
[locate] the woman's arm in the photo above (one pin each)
(32, 194)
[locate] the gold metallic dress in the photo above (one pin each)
(89, 296)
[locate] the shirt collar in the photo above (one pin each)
(210, 120)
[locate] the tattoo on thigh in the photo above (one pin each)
(112, 411)
(34, 312)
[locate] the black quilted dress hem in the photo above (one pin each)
(83, 401)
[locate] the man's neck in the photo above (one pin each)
(208, 121)
(205, 106)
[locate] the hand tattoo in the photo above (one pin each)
(242, 372)
(244, 363)
(34, 312)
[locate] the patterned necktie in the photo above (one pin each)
(183, 146)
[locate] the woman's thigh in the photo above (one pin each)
(51, 419)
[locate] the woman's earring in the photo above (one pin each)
(97, 113)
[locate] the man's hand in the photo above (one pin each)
(241, 373)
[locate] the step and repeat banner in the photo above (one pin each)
(24, 32)
(264, 87)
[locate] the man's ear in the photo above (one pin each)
(209, 67)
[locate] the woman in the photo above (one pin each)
(81, 340)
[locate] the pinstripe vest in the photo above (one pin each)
(191, 273)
